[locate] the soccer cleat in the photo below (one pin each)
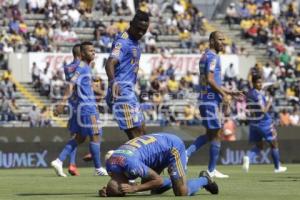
(101, 172)
(211, 186)
(57, 165)
(246, 163)
(217, 174)
(73, 170)
(87, 157)
(280, 169)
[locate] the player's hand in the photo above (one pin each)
(127, 188)
(115, 90)
(102, 192)
(226, 100)
(238, 95)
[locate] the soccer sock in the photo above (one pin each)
(254, 152)
(214, 151)
(95, 151)
(197, 144)
(73, 157)
(166, 186)
(275, 156)
(70, 146)
(195, 184)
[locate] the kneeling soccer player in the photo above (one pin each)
(146, 157)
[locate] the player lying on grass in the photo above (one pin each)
(146, 157)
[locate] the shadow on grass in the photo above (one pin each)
(50, 194)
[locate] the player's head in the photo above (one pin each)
(87, 51)
(139, 25)
(217, 41)
(113, 188)
(76, 51)
(257, 82)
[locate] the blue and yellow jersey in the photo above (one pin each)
(155, 151)
(127, 51)
(85, 94)
(209, 62)
(256, 101)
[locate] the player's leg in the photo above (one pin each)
(203, 139)
(92, 129)
(69, 147)
(271, 137)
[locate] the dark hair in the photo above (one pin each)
(141, 16)
(76, 50)
(255, 79)
(83, 44)
(212, 35)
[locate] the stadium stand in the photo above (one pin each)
(176, 27)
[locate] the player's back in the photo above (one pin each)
(154, 150)
(127, 51)
(256, 101)
(209, 62)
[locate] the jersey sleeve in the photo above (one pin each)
(137, 169)
(79, 71)
(118, 50)
(211, 63)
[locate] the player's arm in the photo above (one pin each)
(151, 181)
(215, 87)
(67, 93)
(116, 55)
(266, 108)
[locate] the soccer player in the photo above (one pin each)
(121, 68)
(86, 113)
(261, 126)
(69, 71)
(212, 99)
(146, 157)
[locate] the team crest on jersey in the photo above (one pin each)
(117, 49)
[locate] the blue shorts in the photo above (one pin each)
(211, 115)
(85, 125)
(257, 133)
(128, 114)
(177, 161)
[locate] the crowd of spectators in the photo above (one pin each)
(61, 17)
(10, 111)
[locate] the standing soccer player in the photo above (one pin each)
(212, 99)
(87, 114)
(69, 71)
(261, 126)
(121, 68)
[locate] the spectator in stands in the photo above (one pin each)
(232, 16)
(45, 117)
(5, 109)
(7, 87)
(295, 117)
(189, 79)
(230, 73)
(284, 118)
(121, 26)
(104, 6)
(173, 87)
(15, 112)
(34, 116)
(191, 117)
(35, 75)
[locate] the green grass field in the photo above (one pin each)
(259, 183)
